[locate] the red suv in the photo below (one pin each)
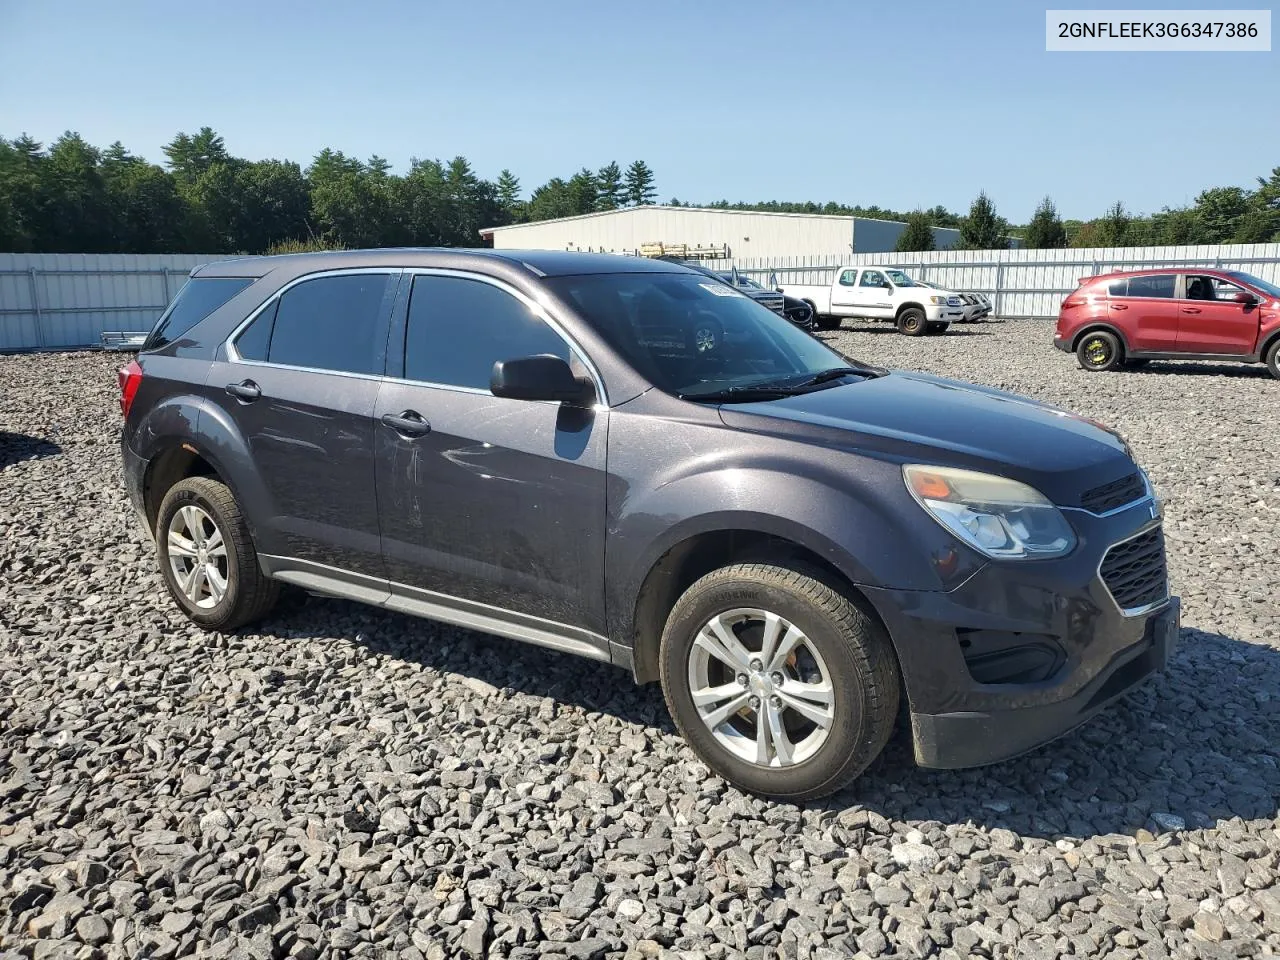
(1126, 319)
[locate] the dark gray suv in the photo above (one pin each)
(537, 445)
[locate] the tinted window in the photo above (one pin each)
(198, 298)
(331, 323)
(254, 341)
(1159, 286)
(458, 329)
(1119, 288)
(872, 278)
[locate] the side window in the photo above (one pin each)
(1118, 288)
(872, 278)
(255, 340)
(848, 278)
(1158, 286)
(458, 329)
(1224, 289)
(330, 323)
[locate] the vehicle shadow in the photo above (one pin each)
(1212, 369)
(1200, 742)
(16, 447)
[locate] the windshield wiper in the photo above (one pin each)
(835, 373)
(742, 394)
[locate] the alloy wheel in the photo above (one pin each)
(197, 556)
(761, 687)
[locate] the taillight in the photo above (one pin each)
(130, 377)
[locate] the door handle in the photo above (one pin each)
(1190, 309)
(1119, 306)
(245, 390)
(409, 423)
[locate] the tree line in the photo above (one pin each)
(75, 197)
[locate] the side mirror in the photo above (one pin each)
(544, 377)
(1243, 297)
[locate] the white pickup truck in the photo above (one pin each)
(880, 293)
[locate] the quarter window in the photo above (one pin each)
(459, 328)
(848, 278)
(329, 323)
(198, 298)
(1119, 288)
(1157, 286)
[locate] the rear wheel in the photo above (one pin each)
(782, 685)
(1099, 351)
(1273, 359)
(911, 322)
(207, 557)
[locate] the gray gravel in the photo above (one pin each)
(348, 782)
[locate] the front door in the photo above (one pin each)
(1209, 321)
(1145, 309)
(487, 502)
(300, 383)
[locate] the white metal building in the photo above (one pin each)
(745, 234)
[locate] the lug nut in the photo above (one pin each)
(742, 679)
(757, 665)
(754, 703)
(777, 679)
(777, 701)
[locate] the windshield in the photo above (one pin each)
(691, 336)
(900, 279)
(1270, 289)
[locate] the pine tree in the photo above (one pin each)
(918, 235)
(1113, 229)
(609, 190)
(983, 229)
(508, 191)
(639, 184)
(1045, 231)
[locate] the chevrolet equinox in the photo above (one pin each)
(538, 445)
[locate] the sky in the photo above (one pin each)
(905, 104)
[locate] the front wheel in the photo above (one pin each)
(1099, 351)
(1273, 360)
(911, 322)
(782, 685)
(207, 557)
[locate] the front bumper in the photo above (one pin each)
(943, 314)
(1024, 651)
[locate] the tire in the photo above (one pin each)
(911, 322)
(826, 322)
(1099, 350)
(1273, 360)
(203, 505)
(938, 328)
(842, 649)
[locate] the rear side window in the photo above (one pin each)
(329, 323)
(1158, 286)
(848, 278)
(198, 298)
(458, 329)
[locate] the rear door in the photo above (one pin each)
(1145, 310)
(1209, 321)
(844, 295)
(488, 502)
(300, 382)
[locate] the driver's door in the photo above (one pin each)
(488, 502)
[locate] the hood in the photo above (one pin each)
(914, 417)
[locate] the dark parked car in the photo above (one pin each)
(1125, 319)
(797, 311)
(531, 444)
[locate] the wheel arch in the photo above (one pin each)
(1099, 328)
(897, 314)
(693, 557)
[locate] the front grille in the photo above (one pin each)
(1134, 570)
(774, 302)
(1117, 493)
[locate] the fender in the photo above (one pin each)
(856, 523)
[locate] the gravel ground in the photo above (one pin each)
(349, 782)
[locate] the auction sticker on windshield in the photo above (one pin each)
(720, 290)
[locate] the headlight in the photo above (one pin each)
(999, 517)
(937, 300)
